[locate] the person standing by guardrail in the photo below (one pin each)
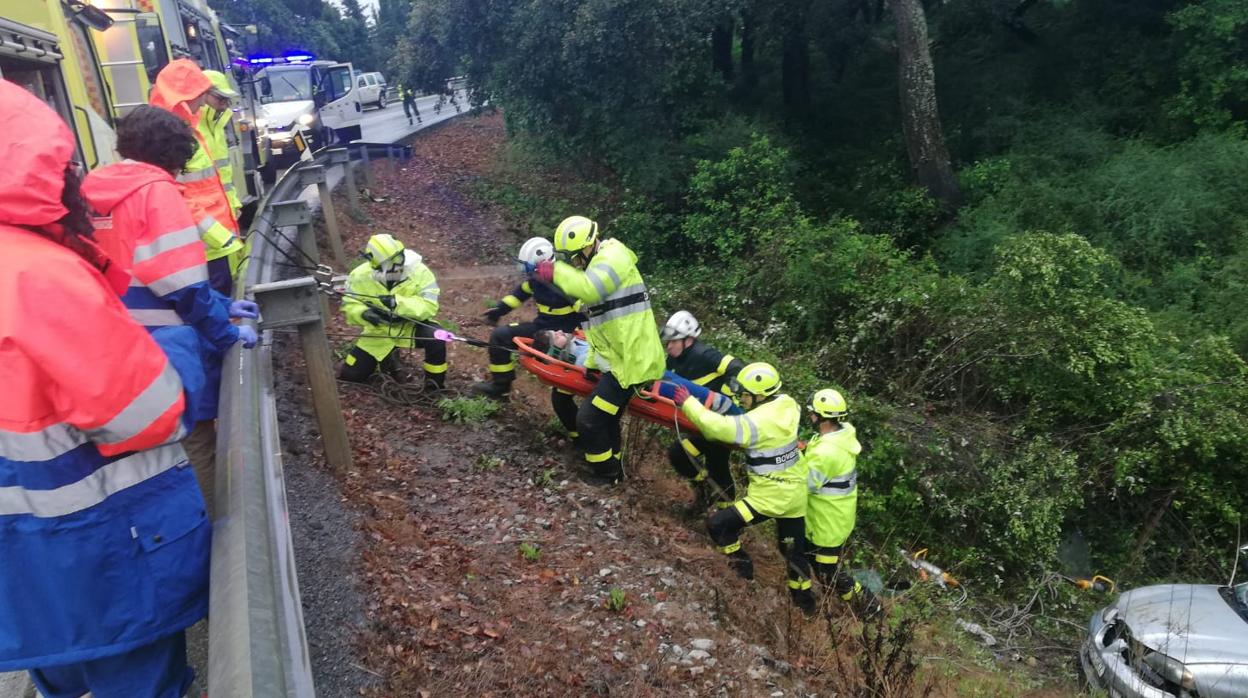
(182, 88)
(146, 226)
(104, 541)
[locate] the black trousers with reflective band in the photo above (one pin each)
(598, 422)
(565, 409)
(726, 525)
(831, 570)
(501, 339)
(715, 458)
(360, 364)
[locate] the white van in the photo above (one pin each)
(316, 97)
(372, 89)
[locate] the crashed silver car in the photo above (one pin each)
(1171, 641)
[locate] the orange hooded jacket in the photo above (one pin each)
(90, 412)
(177, 84)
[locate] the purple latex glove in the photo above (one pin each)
(245, 309)
(247, 335)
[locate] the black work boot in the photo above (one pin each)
(866, 603)
(741, 563)
(496, 389)
(435, 381)
(603, 474)
(804, 599)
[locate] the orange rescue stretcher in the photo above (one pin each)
(648, 404)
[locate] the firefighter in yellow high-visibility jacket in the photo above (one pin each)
(831, 461)
(777, 477)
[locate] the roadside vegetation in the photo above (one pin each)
(1042, 336)
(1052, 356)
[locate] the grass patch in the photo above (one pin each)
(530, 552)
(486, 463)
(617, 600)
(467, 410)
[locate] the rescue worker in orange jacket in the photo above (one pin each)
(104, 542)
(145, 226)
(182, 88)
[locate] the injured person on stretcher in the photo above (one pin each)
(569, 348)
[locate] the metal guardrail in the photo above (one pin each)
(257, 647)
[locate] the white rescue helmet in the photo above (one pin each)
(536, 250)
(680, 325)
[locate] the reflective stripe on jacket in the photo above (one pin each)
(705, 365)
(212, 128)
(620, 324)
(201, 185)
(555, 311)
(103, 535)
(148, 223)
(768, 433)
(832, 508)
(415, 292)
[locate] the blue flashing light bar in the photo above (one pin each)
(288, 58)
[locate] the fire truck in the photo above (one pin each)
(93, 65)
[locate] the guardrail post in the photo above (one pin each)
(295, 213)
(296, 302)
(366, 163)
(394, 161)
(342, 156)
(315, 174)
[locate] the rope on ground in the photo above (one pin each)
(403, 393)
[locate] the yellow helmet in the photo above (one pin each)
(221, 84)
(828, 403)
(758, 378)
(575, 233)
(383, 248)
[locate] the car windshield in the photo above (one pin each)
(1240, 592)
(289, 85)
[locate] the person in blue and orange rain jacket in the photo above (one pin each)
(182, 88)
(104, 541)
(144, 225)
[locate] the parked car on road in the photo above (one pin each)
(1171, 641)
(372, 88)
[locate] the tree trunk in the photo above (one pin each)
(795, 56)
(1146, 532)
(747, 49)
(721, 47)
(920, 116)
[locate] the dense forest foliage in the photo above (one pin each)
(341, 30)
(1014, 231)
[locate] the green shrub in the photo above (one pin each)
(467, 410)
(739, 203)
(1063, 346)
(1024, 501)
